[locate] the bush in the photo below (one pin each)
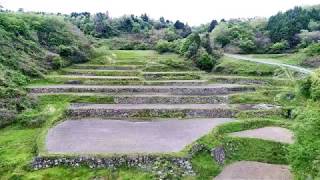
(313, 62)
(170, 35)
(32, 119)
(6, 117)
(205, 61)
(279, 47)
(313, 49)
(315, 85)
(314, 25)
(57, 62)
(310, 87)
(247, 45)
(304, 155)
(306, 38)
(190, 45)
(65, 51)
(305, 87)
(142, 46)
(163, 46)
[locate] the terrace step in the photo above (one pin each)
(177, 82)
(76, 77)
(89, 136)
(246, 80)
(251, 170)
(106, 67)
(97, 72)
(151, 110)
(125, 62)
(148, 98)
(215, 89)
(94, 80)
(119, 80)
(277, 134)
(169, 99)
(187, 75)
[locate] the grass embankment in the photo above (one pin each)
(292, 59)
(233, 66)
(304, 155)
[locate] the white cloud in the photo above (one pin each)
(192, 11)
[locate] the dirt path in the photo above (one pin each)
(270, 62)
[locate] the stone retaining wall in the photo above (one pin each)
(170, 99)
(175, 83)
(145, 162)
(240, 80)
(172, 90)
(171, 76)
(170, 113)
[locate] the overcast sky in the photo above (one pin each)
(194, 12)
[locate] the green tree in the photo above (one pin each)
(204, 60)
(314, 25)
(284, 26)
(212, 25)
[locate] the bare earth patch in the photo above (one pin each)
(268, 133)
(120, 136)
(249, 170)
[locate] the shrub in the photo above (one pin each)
(314, 25)
(32, 119)
(315, 85)
(190, 45)
(313, 49)
(310, 87)
(6, 117)
(163, 46)
(170, 35)
(305, 87)
(192, 50)
(306, 38)
(65, 51)
(313, 61)
(304, 155)
(142, 46)
(247, 45)
(279, 47)
(205, 61)
(57, 62)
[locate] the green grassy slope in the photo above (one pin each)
(31, 45)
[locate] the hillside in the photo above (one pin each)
(89, 96)
(31, 45)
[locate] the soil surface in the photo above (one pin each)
(120, 136)
(249, 170)
(268, 133)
